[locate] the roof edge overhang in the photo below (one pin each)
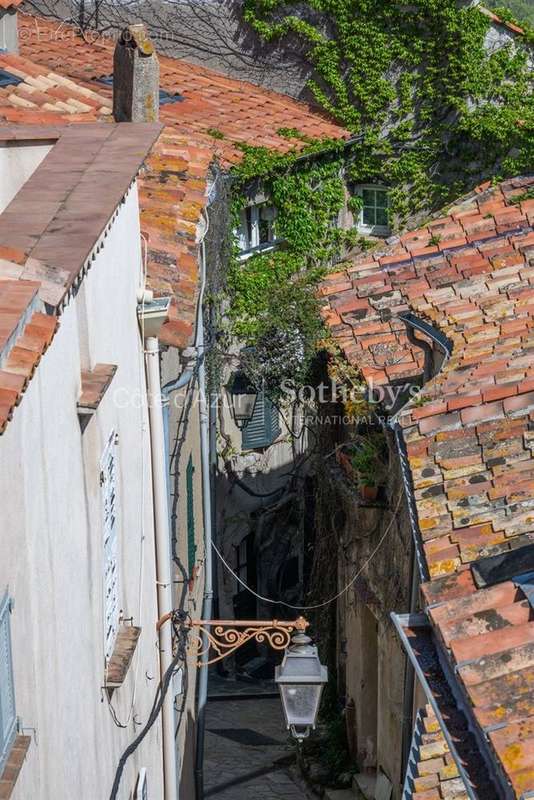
(496, 775)
(85, 176)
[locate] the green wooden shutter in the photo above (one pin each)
(264, 427)
(191, 543)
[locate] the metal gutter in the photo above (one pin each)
(402, 621)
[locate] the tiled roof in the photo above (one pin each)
(10, 3)
(173, 190)
(84, 178)
(433, 772)
(455, 754)
(25, 335)
(489, 635)
(240, 111)
(471, 275)
(45, 98)
(469, 438)
(49, 232)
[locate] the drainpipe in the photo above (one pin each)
(208, 458)
(152, 317)
(166, 391)
(207, 609)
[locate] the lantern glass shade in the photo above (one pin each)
(243, 396)
(244, 408)
(300, 679)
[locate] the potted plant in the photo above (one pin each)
(367, 462)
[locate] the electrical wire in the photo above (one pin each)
(331, 599)
(159, 698)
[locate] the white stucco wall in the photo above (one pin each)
(52, 547)
(17, 163)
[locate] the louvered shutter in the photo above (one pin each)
(264, 427)
(191, 543)
(108, 482)
(8, 718)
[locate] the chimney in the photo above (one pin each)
(135, 77)
(9, 37)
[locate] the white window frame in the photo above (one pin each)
(110, 542)
(250, 244)
(8, 712)
(374, 230)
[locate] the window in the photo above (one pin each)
(374, 216)
(108, 485)
(264, 427)
(191, 543)
(257, 228)
(8, 718)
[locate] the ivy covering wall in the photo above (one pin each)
(435, 107)
(432, 110)
(273, 303)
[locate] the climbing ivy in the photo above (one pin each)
(273, 298)
(436, 109)
(432, 110)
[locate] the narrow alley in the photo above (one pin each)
(248, 753)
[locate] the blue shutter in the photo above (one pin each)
(264, 427)
(191, 543)
(8, 717)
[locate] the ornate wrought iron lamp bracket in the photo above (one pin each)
(224, 637)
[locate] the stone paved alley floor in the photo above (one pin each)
(247, 751)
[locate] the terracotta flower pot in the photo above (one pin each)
(369, 492)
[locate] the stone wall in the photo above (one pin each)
(365, 652)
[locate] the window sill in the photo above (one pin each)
(381, 233)
(11, 771)
(123, 652)
(244, 255)
(95, 384)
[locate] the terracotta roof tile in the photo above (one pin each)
(470, 445)
(95, 384)
(25, 335)
(173, 189)
(487, 379)
(433, 774)
(489, 637)
(53, 240)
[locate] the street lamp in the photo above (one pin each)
(300, 679)
(243, 397)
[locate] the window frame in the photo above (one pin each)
(250, 245)
(363, 227)
(8, 717)
(110, 545)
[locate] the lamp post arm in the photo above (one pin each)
(225, 636)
